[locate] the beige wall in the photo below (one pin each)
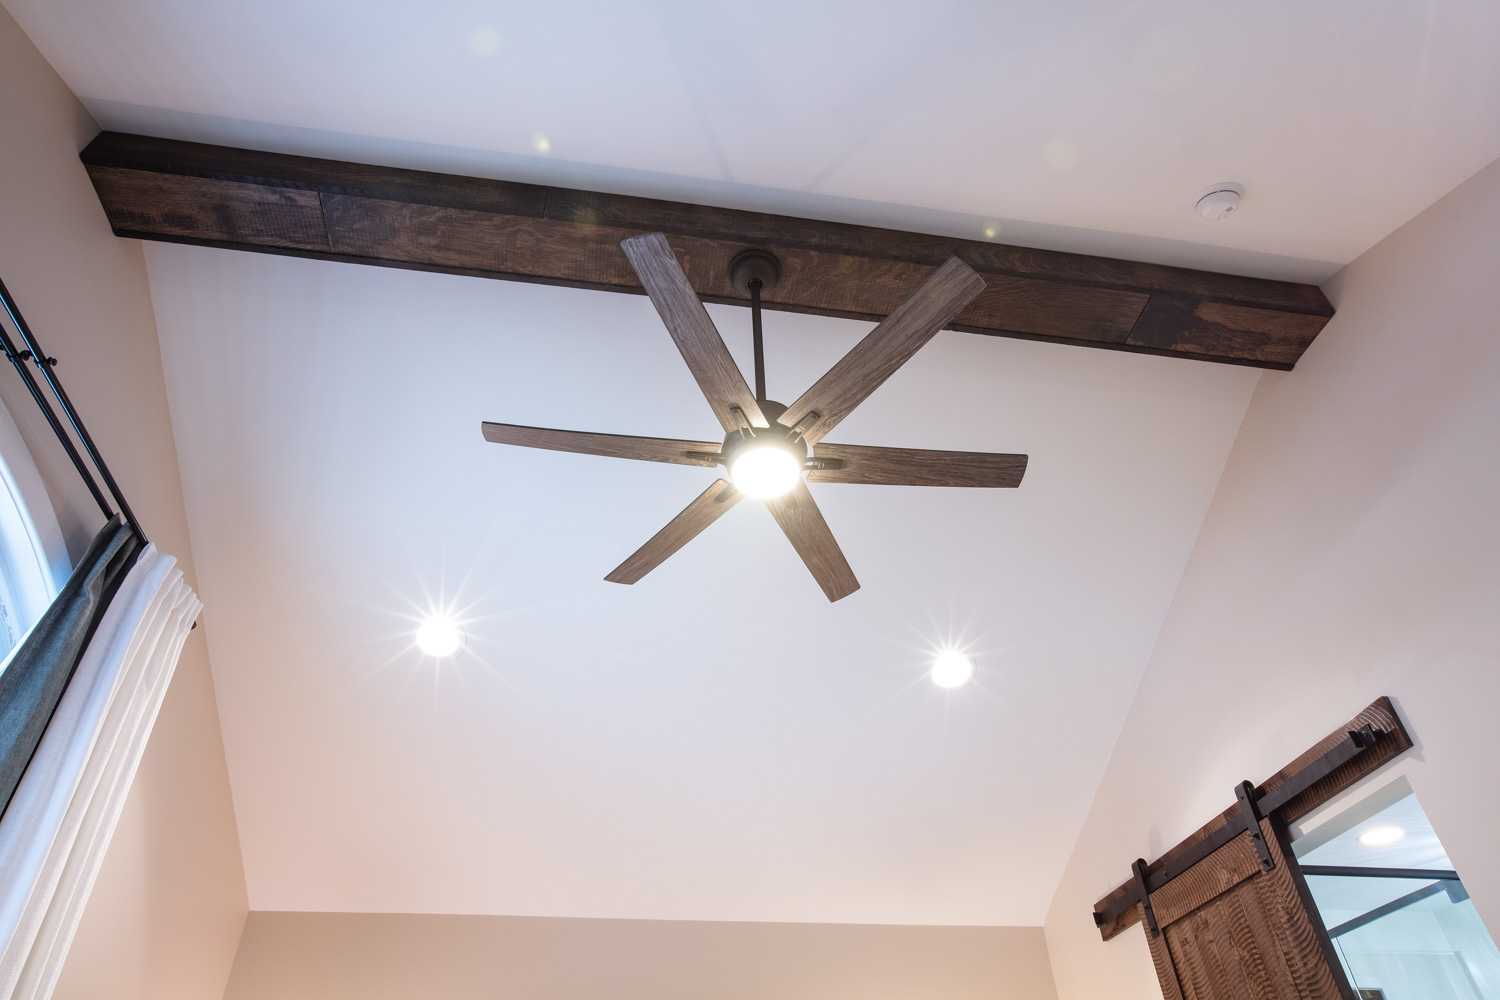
(165, 916)
(1352, 550)
(327, 956)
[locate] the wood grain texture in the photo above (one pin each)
(709, 506)
(917, 467)
(1255, 939)
(328, 209)
(1161, 958)
(1222, 328)
(1218, 873)
(694, 333)
(645, 449)
(883, 350)
(1283, 849)
(1393, 741)
(474, 242)
(224, 211)
(800, 518)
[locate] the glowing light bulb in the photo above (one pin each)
(1381, 836)
(952, 669)
(764, 470)
(440, 637)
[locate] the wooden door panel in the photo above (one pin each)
(1250, 935)
(1117, 910)
(1166, 972)
(1218, 873)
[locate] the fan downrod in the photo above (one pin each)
(753, 272)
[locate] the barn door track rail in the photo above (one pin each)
(1252, 807)
(1370, 740)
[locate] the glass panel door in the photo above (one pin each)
(1400, 919)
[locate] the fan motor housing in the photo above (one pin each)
(776, 434)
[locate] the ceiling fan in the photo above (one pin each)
(766, 445)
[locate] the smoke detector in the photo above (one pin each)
(1218, 201)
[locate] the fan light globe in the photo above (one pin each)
(440, 637)
(765, 471)
(952, 669)
(1381, 835)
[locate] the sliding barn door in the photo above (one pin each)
(1227, 930)
(1227, 911)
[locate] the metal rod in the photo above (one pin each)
(760, 347)
(46, 365)
(15, 358)
(1400, 903)
(1347, 749)
(1442, 874)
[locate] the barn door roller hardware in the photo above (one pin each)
(1254, 805)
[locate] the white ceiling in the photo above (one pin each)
(1084, 125)
(718, 741)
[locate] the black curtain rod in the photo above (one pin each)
(34, 353)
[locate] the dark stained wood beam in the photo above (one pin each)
(183, 192)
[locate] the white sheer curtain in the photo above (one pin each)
(54, 834)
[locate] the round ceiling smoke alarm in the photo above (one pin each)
(1219, 200)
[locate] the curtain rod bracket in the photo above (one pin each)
(33, 352)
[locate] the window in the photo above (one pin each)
(1398, 915)
(33, 560)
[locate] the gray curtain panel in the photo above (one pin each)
(32, 684)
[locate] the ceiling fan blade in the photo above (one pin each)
(800, 518)
(646, 449)
(683, 528)
(887, 347)
(689, 324)
(915, 467)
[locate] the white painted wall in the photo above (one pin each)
(397, 956)
(1352, 550)
(166, 913)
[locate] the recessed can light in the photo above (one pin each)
(441, 637)
(1381, 835)
(952, 669)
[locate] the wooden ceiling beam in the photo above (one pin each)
(183, 192)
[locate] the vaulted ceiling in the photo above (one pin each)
(717, 742)
(1083, 125)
